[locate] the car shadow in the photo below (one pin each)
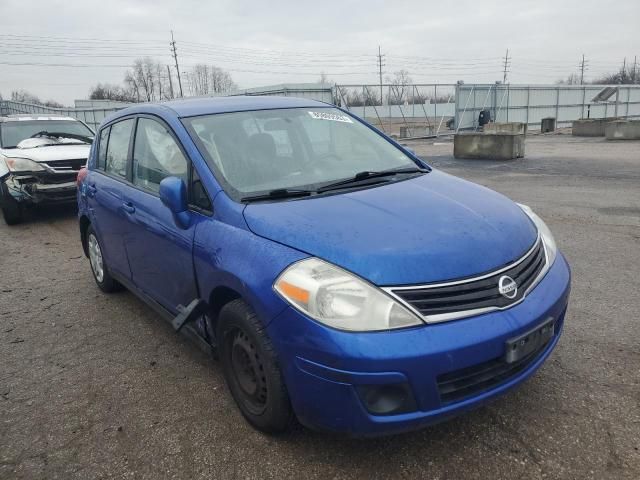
(48, 213)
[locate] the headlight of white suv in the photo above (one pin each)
(547, 237)
(340, 299)
(18, 164)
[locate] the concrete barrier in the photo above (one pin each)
(623, 130)
(590, 127)
(488, 146)
(422, 131)
(506, 127)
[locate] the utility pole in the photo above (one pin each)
(635, 61)
(506, 66)
(582, 67)
(170, 81)
(175, 57)
(380, 65)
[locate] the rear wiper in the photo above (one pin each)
(366, 175)
(278, 193)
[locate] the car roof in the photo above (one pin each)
(208, 105)
(21, 117)
(191, 107)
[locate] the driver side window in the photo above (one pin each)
(156, 155)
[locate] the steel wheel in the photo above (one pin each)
(95, 257)
(248, 371)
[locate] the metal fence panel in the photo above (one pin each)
(531, 103)
(91, 116)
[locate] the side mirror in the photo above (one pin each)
(173, 194)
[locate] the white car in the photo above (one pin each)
(40, 156)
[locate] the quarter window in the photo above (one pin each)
(199, 197)
(118, 148)
(156, 155)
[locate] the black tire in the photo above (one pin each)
(105, 282)
(251, 369)
(12, 211)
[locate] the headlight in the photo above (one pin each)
(339, 299)
(545, 233)
(16, 164)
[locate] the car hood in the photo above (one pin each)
(431, 228)
(50, 154)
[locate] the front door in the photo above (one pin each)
(159, 252)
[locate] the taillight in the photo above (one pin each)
(81, 175)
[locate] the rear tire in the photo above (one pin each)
(12, 211)
(99, 268)
(251, 369)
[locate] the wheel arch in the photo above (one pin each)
(220, 296)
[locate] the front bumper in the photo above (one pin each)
(325, 369)
(42, 187)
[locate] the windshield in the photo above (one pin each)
(260, 151)
(12, 133)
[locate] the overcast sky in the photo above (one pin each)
(268, 42)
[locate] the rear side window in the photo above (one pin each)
(118, 148)
(156, 155)
(102, 148)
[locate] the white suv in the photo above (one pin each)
(40, 156)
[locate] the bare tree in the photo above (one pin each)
(624, 76)
(221, 81)
(208, 80)
(28, 97)
(573, 79)
(398, 87)
(108, 91)
(198, 80)
(146, 81)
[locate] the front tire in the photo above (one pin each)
(12, 211)
(251, 369)
(101, 274)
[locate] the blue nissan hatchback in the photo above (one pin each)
(340, 279)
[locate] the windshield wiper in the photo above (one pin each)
(278, 193)
(366, 175)
(59, 135)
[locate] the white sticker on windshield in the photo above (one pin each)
(335, 117)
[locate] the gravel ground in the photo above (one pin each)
(97, 386)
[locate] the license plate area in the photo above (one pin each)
(519, 347)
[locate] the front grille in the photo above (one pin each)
(460, 384)
(67, 165)
(479, 293)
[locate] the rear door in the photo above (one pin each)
(159, 252)
(106, 184)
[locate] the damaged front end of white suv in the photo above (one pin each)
(41, 169)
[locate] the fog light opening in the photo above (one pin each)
(387, 399)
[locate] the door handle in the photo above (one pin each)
(128, 207)
(91, 191)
